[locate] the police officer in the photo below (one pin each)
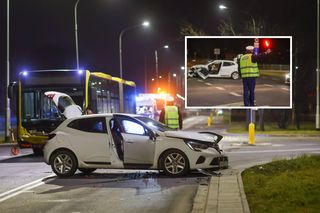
(171, 116)
(249, 71)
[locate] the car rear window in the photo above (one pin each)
(96, 125)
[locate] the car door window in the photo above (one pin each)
(132, 127)
(226, 64)
(96, 125)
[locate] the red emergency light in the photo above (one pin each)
(267, 44)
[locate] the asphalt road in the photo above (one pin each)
(214, 92)
(28, 185)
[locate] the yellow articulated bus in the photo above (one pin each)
(37, 115)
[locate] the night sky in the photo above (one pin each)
(42, 32)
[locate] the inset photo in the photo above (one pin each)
(238, 72)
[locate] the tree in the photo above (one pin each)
(187, 29)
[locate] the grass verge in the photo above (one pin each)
(306, 128)
(284, 186)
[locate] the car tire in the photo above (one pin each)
(87, 171)
(235, 75)
(64, 163)
(174, 163)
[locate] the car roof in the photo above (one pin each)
(102, 115)
(222, 61)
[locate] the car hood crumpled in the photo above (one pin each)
(198, 66)
(199, 136)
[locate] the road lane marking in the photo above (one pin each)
(284, 88)
(220, 88)
(268, 85)
(26, 187)
(267, 151)
(209, 84)
(235, 94)
(200, 80)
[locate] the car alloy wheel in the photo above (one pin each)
(235, 75)
(64, 163)
(175, 163)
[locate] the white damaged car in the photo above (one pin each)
(215, 69)
(123, 141)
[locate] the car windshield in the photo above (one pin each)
(154, 124)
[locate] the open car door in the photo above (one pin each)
(138, 145)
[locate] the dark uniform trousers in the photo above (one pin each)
(248, 90)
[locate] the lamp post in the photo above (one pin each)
(8, 117)
(157, 63)
(318, 70)
(145, 24)
(76, 31)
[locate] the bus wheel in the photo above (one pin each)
(37, 151)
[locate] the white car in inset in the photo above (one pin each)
(129, 141)
(215, 69)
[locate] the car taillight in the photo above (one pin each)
(50, 136)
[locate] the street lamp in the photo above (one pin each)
(144, 24)
(76, 31)
(222, 7)
(157, 63)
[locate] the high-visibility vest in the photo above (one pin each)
(171, 117)
(247, 68)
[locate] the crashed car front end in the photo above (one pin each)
(204, 151)
(193, 71)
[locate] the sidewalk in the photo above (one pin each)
(224, 194)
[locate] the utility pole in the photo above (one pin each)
(8, 112)
(318, 70)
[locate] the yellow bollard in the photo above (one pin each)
(209, 121)
(251, 134)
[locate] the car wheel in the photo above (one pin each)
(174, 163)
(87, 171)
(64, 163)
(235, 75)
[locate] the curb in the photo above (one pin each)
(244, 200)
(8, 144)
(206, 198)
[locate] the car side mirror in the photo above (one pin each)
(153, 135)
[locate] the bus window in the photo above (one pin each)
(29, 110)
(37, 106)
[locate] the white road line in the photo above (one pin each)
(235, 94)
(200, 80)
(268, 85)
(209, 84)
(267, 151)
(284, 88)
(220, 88)
(13, 192)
